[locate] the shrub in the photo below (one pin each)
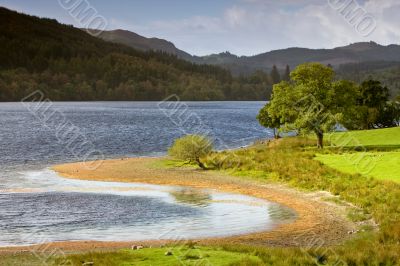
(191, 148)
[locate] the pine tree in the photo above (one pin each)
(286, 76)
(275, 76)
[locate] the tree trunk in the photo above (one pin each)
(276, 135)
(200, 164)
(320, 139)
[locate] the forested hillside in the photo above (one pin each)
(356, 62)
(68, 64)
(386, 72)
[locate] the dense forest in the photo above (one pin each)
(68, 64)
(386, 72)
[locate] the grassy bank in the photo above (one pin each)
(168, 256)
(293, 161)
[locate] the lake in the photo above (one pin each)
(38, 205)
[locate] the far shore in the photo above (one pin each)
(318, 219)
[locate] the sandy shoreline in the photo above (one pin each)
(318, 221)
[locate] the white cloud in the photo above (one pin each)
(255, 26)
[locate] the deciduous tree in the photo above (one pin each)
(266, 120)
(312, 101)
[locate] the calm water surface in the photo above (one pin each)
(39, 206)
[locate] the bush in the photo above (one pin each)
(191, 148)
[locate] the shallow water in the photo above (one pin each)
(46, 207)
(39, 206)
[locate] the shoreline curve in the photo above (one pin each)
(318, 221)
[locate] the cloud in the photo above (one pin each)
(248, 27)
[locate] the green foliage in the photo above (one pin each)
(313, 101)
(275, 76)
(191, 148)
(373, 94)
(68, 64)
(373, 109)
(390, 115)
(268, 121)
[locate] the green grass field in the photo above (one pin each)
(380, 165)
(367, 162)
(388, 137)
(181, 255)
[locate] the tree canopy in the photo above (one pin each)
(374, 108)
(312, 101)
(268, 121)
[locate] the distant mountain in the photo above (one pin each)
(353, 53)
(142, 43)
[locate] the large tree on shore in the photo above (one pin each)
(312, 101)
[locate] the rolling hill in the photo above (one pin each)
(141, 43)
(353, 53)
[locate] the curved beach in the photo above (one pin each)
(318, 220)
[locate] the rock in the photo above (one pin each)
(88, 263)
(168, 253)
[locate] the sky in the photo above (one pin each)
(242, 27)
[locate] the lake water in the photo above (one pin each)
(39, 206)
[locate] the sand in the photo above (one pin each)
(319, 222)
